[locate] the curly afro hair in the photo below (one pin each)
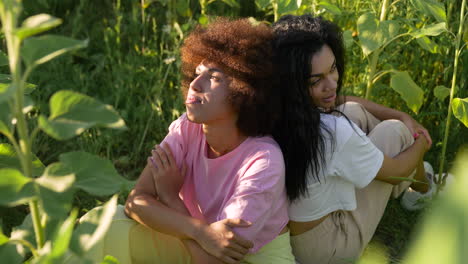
(244, 51)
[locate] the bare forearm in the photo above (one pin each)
(150, 212)
(199, 256)
(403, 164)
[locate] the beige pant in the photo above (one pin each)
(343, 235)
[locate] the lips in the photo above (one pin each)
(192, 100)
(330, 98)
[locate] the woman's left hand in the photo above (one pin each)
(168, 179)
(415, 128)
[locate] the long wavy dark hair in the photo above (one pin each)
(300, 133)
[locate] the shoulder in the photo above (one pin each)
(265, 147)
(340, 128)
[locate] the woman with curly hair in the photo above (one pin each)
(338, 178)
(213, 190)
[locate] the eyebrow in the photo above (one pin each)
(211, 70)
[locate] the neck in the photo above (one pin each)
(222, 138)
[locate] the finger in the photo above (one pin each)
(157, 159)
(233, 254)
(239, 248)
(170, 156)
(428, 137)
(242, 241)
(237, 222)
(162, 156)
(152, 165)
(227, 259)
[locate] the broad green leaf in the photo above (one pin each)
(427, 44)
(431, 7)
(24, 232)
(460, 109)
(94, 174)
(441, 92)
(110, 260)
(348, 38)
(71, 113)
(3, 58)
(330, 7)
(93, 227)
(432, 30)
(287, 6)
(6, 91)
(183, 8)
(3, 238)
(55, 189)
(262, 4)
(15, 189)
(8, 254)
(37, 24)
(8, 159)
(61, 240)
(413, 95)
(373, 33)
(38, 50)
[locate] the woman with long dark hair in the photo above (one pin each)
(338, 178)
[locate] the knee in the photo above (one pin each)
(394, 130)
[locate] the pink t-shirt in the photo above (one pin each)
(246, 183)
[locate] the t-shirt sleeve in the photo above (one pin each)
(258, 190)
(358, 160)
(176, 138)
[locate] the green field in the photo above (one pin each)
(131, 62)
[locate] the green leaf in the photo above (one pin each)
(330, 7)
(348, 38)
(15, 189)
(262, 4)
(231, 3)
(441, 92)
(93, 226)
(110, 260)
(413, 95)
(431, 7)
(3, 238)
(287, 6)
(6, 91)
(3, 59)
(183, 8)
(94, 174)
(5, 119)
(432, 30)
(38, 50)
(24, 232)
(37, 24)
(460, 109)
(55, 189)
(427, 44)
(71, 113)
(61, 240)
(9, 159)
(8, 254)
(373, 33)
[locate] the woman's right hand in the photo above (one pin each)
(219, 240)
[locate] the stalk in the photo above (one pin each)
(9, 20)
(452, 91)
(374, 57)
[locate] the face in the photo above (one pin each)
(206, 101)
(324, 78)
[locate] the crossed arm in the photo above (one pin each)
(155, 203)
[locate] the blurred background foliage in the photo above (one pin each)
(132, 63)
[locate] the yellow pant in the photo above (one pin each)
(133, 243)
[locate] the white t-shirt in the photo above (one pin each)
(353, 162)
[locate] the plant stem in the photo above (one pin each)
(275, 10)
(374, 57)
(440, 179)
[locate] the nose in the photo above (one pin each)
(332, 82)
(195, 84)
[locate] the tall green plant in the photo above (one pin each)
(457, 105)
(376, 34)
(48, 231)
